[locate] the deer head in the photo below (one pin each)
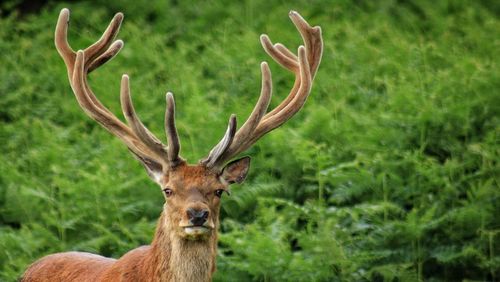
(192, 192)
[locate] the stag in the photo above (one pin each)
(185, 241)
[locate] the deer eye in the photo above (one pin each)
(168, 192)
(219, 192)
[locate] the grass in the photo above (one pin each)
(389, 172)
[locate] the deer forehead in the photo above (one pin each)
(188, 177)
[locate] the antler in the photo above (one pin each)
(304, 66)
(142, 143)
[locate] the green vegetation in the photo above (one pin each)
(389, 173)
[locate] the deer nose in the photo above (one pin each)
(197, 217)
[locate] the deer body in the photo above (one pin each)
(193, 261)
(185, 242)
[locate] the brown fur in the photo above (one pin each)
(172, 256)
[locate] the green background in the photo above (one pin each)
(389, 173)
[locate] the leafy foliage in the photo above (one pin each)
(389, 173)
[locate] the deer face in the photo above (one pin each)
(193, 197)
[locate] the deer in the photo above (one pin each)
(185, 241)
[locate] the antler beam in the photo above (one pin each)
(143, 144)
(304, 66)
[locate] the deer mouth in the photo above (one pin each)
(196, 230)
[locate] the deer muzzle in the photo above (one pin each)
(198, 222)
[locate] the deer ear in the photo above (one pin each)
(236, 171)
(153, 168)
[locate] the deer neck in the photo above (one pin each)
(179, 259)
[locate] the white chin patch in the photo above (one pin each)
(196, 230)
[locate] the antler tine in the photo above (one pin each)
(304, 66)
(174, 145)
(61, 41)
(96, 49)
(280, 47)
(136, 125)
(109, 54)
(312, 39)
(214, 157)
(260, 108)
(282, 59)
